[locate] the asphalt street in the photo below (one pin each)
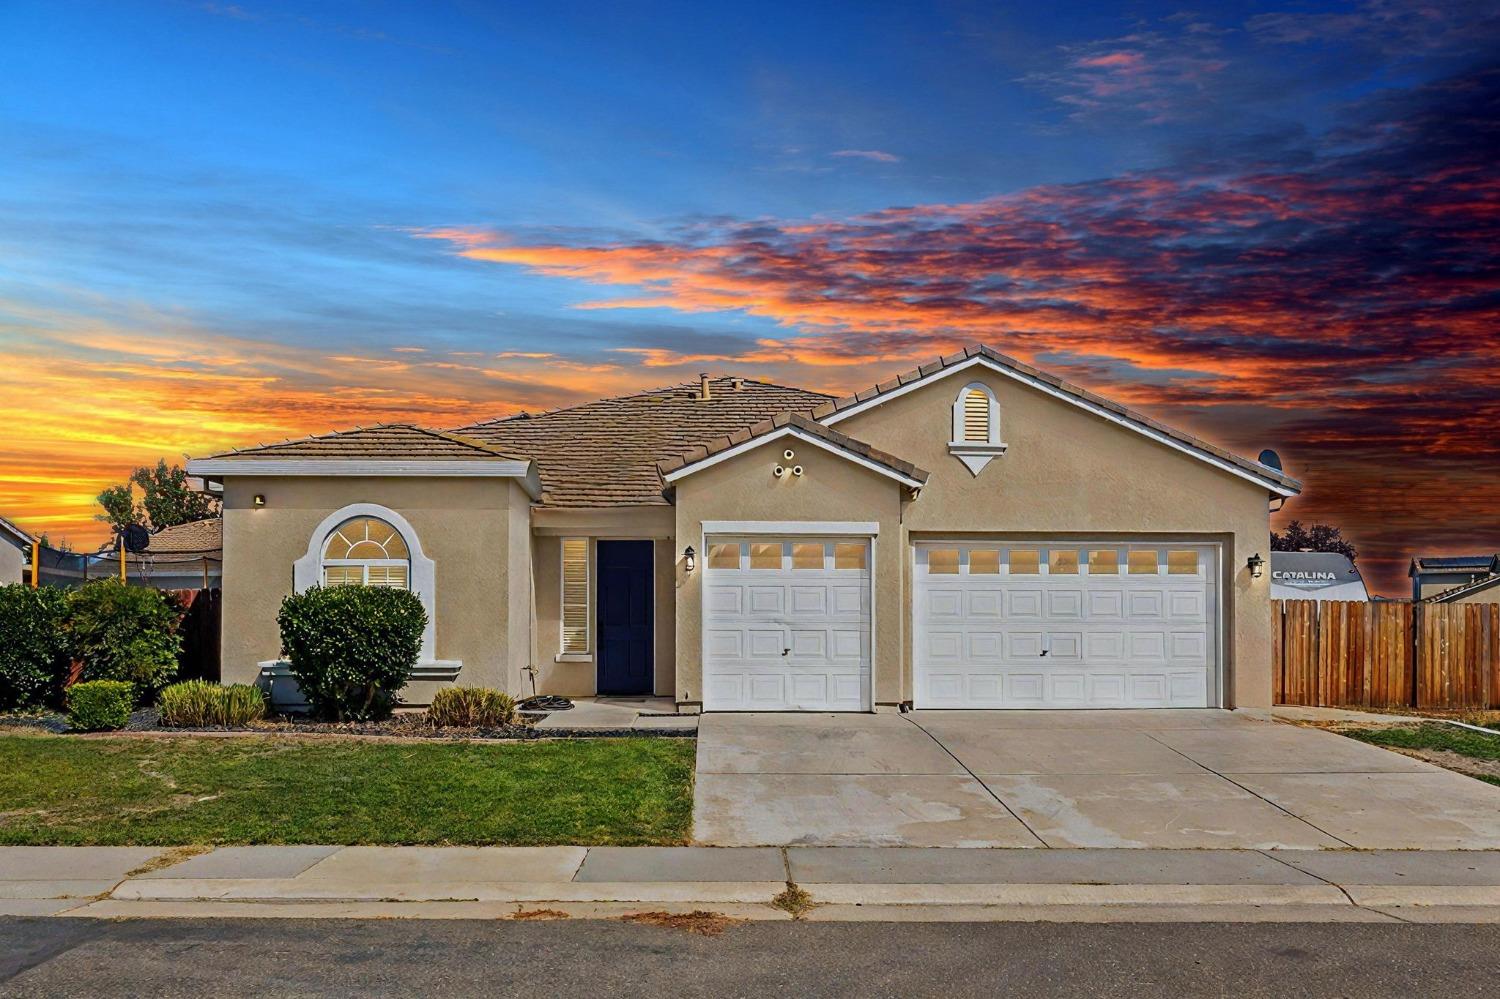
(233, 957)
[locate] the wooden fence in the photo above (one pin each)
(1386, 655)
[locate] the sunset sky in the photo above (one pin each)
(1273, 224)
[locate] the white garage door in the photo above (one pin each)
(786, 624)
(1002, 624)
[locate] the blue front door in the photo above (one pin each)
(624, 617)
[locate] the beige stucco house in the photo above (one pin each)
(972, 534)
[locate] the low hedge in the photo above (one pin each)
(200, 704)
(471, 707)
(97, 705)
(34, 649)
(351, 648)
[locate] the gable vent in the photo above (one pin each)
(976, 416)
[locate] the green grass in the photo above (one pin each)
(1475, 745)
(174, 791)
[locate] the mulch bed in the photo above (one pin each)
(411, 725)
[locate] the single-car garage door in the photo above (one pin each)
(1109, 624)
(786, 624)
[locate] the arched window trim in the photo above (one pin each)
(307, 571)
(366, 563)
(976, 454)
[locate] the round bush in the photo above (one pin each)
(97, 705)
(124, 633)
(351, 648)
(34, 653)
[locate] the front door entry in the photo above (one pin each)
(625, 617)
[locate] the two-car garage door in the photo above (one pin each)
(1003, 624)
(997, 624)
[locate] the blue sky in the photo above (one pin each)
(227, 222)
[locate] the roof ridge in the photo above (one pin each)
(688, 386)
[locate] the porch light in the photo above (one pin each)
(689, 558)
(260, 499)
(1256, 565)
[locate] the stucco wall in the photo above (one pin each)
(831, 489)
(13, 562)
(1069, 474)
(472, 529)
(576, 678)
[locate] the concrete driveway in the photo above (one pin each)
(1164, 779)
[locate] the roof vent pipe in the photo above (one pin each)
(703, 386)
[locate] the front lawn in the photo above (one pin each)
(182, 790)
(1472, 753)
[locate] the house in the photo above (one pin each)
(1315, 576)
(974, 533)
(182, 557)
(1434, 574)
(1484, 590)
(15, 552)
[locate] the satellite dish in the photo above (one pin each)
(1270, 458)
(137, 539)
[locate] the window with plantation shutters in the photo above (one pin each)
(575, 596)
(976, 416)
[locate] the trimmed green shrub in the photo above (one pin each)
(471, 707)
(96, 705)
(34, 650)
(200, 704)
(125, 633)
(351, 648)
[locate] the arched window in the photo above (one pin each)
(976, 427)
(366, 551)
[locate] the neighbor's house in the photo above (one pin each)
(15, 552)
(1435, 574)
(182, 557)
(1315, 576)
(973, 533)
(1483, 590)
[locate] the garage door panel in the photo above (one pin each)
(787, 626)
(1133, 626)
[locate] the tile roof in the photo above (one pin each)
(1454, 563)
(384, 442)
(842, 441)
(200, 537)
(605, 453)
(990, 354)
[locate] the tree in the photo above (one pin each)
(166, 499)
(1317, 538)
(60, 545)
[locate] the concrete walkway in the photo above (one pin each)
(841, 883)
(1158, 779)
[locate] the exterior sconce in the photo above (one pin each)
(689, 558)
(259, 500)
(1256, 565)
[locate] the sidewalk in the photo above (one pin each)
(840, 883)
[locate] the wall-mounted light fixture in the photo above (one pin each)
(689, 558)
(259, 500)
(1256, 565)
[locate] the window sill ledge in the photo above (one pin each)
(974, 454)
(573, 657)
